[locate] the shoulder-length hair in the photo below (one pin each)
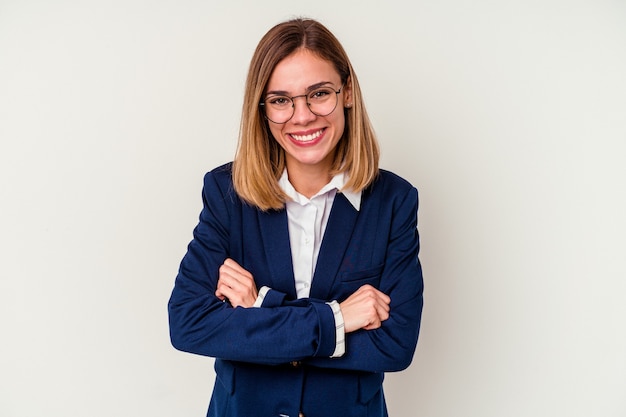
(260, 160)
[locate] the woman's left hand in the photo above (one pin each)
(236, 284)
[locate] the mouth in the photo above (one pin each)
(307, 137)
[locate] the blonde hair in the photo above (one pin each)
(260, 160)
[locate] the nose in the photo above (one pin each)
(301, 112)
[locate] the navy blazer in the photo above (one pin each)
(275, 360)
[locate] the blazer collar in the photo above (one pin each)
(275, 236)
(337, 236)
(337, 182)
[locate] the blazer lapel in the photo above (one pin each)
(336, 239)
(275, 237)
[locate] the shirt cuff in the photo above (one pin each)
(340, 331)
(261, 296)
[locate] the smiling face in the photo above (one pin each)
(309, 141)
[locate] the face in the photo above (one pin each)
(309, 140)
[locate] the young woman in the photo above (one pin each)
(302, 279)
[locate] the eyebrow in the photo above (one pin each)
(309, 88)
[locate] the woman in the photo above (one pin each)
(302, 279)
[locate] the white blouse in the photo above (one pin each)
(307, 220)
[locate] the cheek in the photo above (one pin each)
(275, 132)
(339, 124)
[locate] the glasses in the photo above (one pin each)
(321, 102)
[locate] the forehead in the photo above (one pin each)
(301, 70)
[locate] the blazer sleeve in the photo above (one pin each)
(201, 323)
(391, 347)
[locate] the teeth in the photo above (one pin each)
(307, 138)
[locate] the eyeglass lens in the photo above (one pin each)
(321, 101)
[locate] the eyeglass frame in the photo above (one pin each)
(293, 104)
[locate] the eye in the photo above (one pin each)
(320, 94)
(278, 101)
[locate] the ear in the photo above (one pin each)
(347, 93)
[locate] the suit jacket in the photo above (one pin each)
(275, 360)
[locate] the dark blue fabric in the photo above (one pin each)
(377, 245)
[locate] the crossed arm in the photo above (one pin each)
(382, 324)
(365, 309)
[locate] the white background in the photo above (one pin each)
(509, 116)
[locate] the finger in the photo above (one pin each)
(384, 297)
(230, 282)
(381, 298)
(233, 276)
(221, 292)
(229, 277)
(224, 293)
(384, 303)
(227, 293)
(380, 295)
(240, 289)
(228, 270)
(383, 308)
(369, 290)
(235, 267)
(230, 286)
(383, 313)
(375, 324)
(379, 302)
(225, 284)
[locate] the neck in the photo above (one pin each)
(308, 180)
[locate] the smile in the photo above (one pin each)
(307, 138)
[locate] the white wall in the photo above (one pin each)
(508, 116)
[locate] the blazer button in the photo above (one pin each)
(301, 414)
(295, 364)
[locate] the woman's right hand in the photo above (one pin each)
(365, 309)
(236, 285)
